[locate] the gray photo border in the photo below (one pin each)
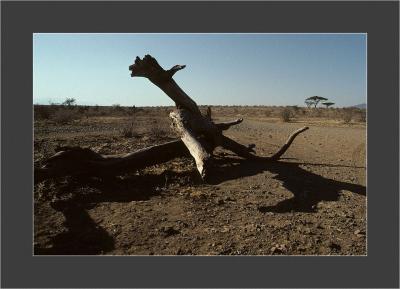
(379, 269)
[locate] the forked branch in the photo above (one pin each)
(199, 136)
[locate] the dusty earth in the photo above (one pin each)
(312, 202)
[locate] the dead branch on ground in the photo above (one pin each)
(199, 136)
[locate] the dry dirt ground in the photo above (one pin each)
(312, 202)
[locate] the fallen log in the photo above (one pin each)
(199, 136)
(73, 161)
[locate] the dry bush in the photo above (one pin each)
(93, 111)
(267, 113)
(130, 130)
(43, 150)
(286, 114)
(295, 109)
(64, 116)
(303, 111)
(117, 109)
(316, 112)
(131, 110)
(160, 128)
(347, 115)
(83, 109)
(157, 132)
(362, 117)
(42, 112)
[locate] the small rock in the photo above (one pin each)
(278, 248)
(180, 252)
(169, 231)
(334, 246)
(229, 199)
(198, 196)
(301, 248)
(359, 233)
(220, 202)
(225, 230)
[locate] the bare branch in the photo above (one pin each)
(289, 141)
(244, 151)
(148, 67)
(227, 125)
(199, 136)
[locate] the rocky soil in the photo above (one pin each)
(312, 202)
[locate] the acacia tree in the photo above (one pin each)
(309, 103)
(328, 104)
(69, 101)
(314, 100)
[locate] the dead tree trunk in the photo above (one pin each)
(83, 161)
(199, 136)
(190, 123)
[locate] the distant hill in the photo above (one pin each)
(361, 106)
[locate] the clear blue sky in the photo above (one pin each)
(226, 69)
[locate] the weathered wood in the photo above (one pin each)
(289, 141)
(148, 67)
(199, 136)
(227, 125)
(75, 161)
(200, 151)
(245, 152)
(238, 148)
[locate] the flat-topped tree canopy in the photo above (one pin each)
(314, 100)
(328, 104)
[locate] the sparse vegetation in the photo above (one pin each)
(70, 101)
(363, 115)
(286, 114)
(172, 187)
(42, 112)
(53, 112)
(347, 115)
(130, 130)
(64, 116)
(159, 129)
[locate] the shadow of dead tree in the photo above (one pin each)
(308, 188)
(82, 235)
